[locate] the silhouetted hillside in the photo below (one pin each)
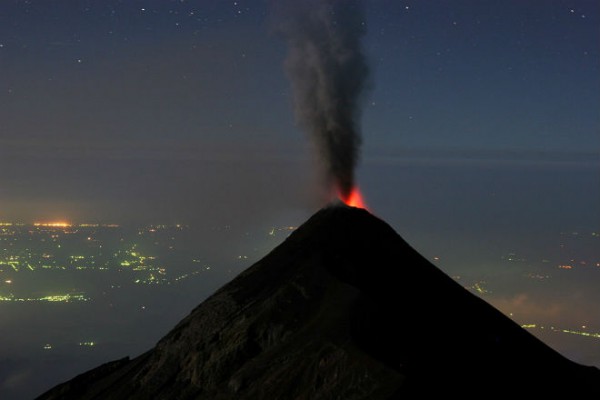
(343, 309)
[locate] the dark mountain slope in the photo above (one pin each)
(343, 309)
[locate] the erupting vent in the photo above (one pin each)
(354, 199)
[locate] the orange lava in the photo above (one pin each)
(354, 199)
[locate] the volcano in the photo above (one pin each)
(344, 308)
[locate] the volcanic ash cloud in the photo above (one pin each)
(328, 73)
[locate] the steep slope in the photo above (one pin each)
(343, 309)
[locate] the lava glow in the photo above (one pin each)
(354, 199)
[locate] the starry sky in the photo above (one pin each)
(481, 132)
(181, 110)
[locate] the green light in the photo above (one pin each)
(61, 298)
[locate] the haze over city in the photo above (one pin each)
(160, 140)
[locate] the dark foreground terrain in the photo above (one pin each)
(343, 309)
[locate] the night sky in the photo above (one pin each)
(480, 131)
(161, 110)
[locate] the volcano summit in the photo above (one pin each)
(343, 309)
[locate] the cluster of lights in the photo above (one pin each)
(63, 224)
(57, 224)
(136, 261)
(49, 235)
(48, 346)
(479, 288)
(63, 298)
(185, 276)
(151, 279)
(130, 259)
(595, 335)
(580, 333)
(274, 230)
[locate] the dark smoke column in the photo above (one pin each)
(328, 72)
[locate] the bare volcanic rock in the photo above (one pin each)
(343, 309)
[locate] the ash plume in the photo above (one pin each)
(328, 73)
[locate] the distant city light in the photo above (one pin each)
(64, 298)
(594, 335)
(141, 260)
(56, 224)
